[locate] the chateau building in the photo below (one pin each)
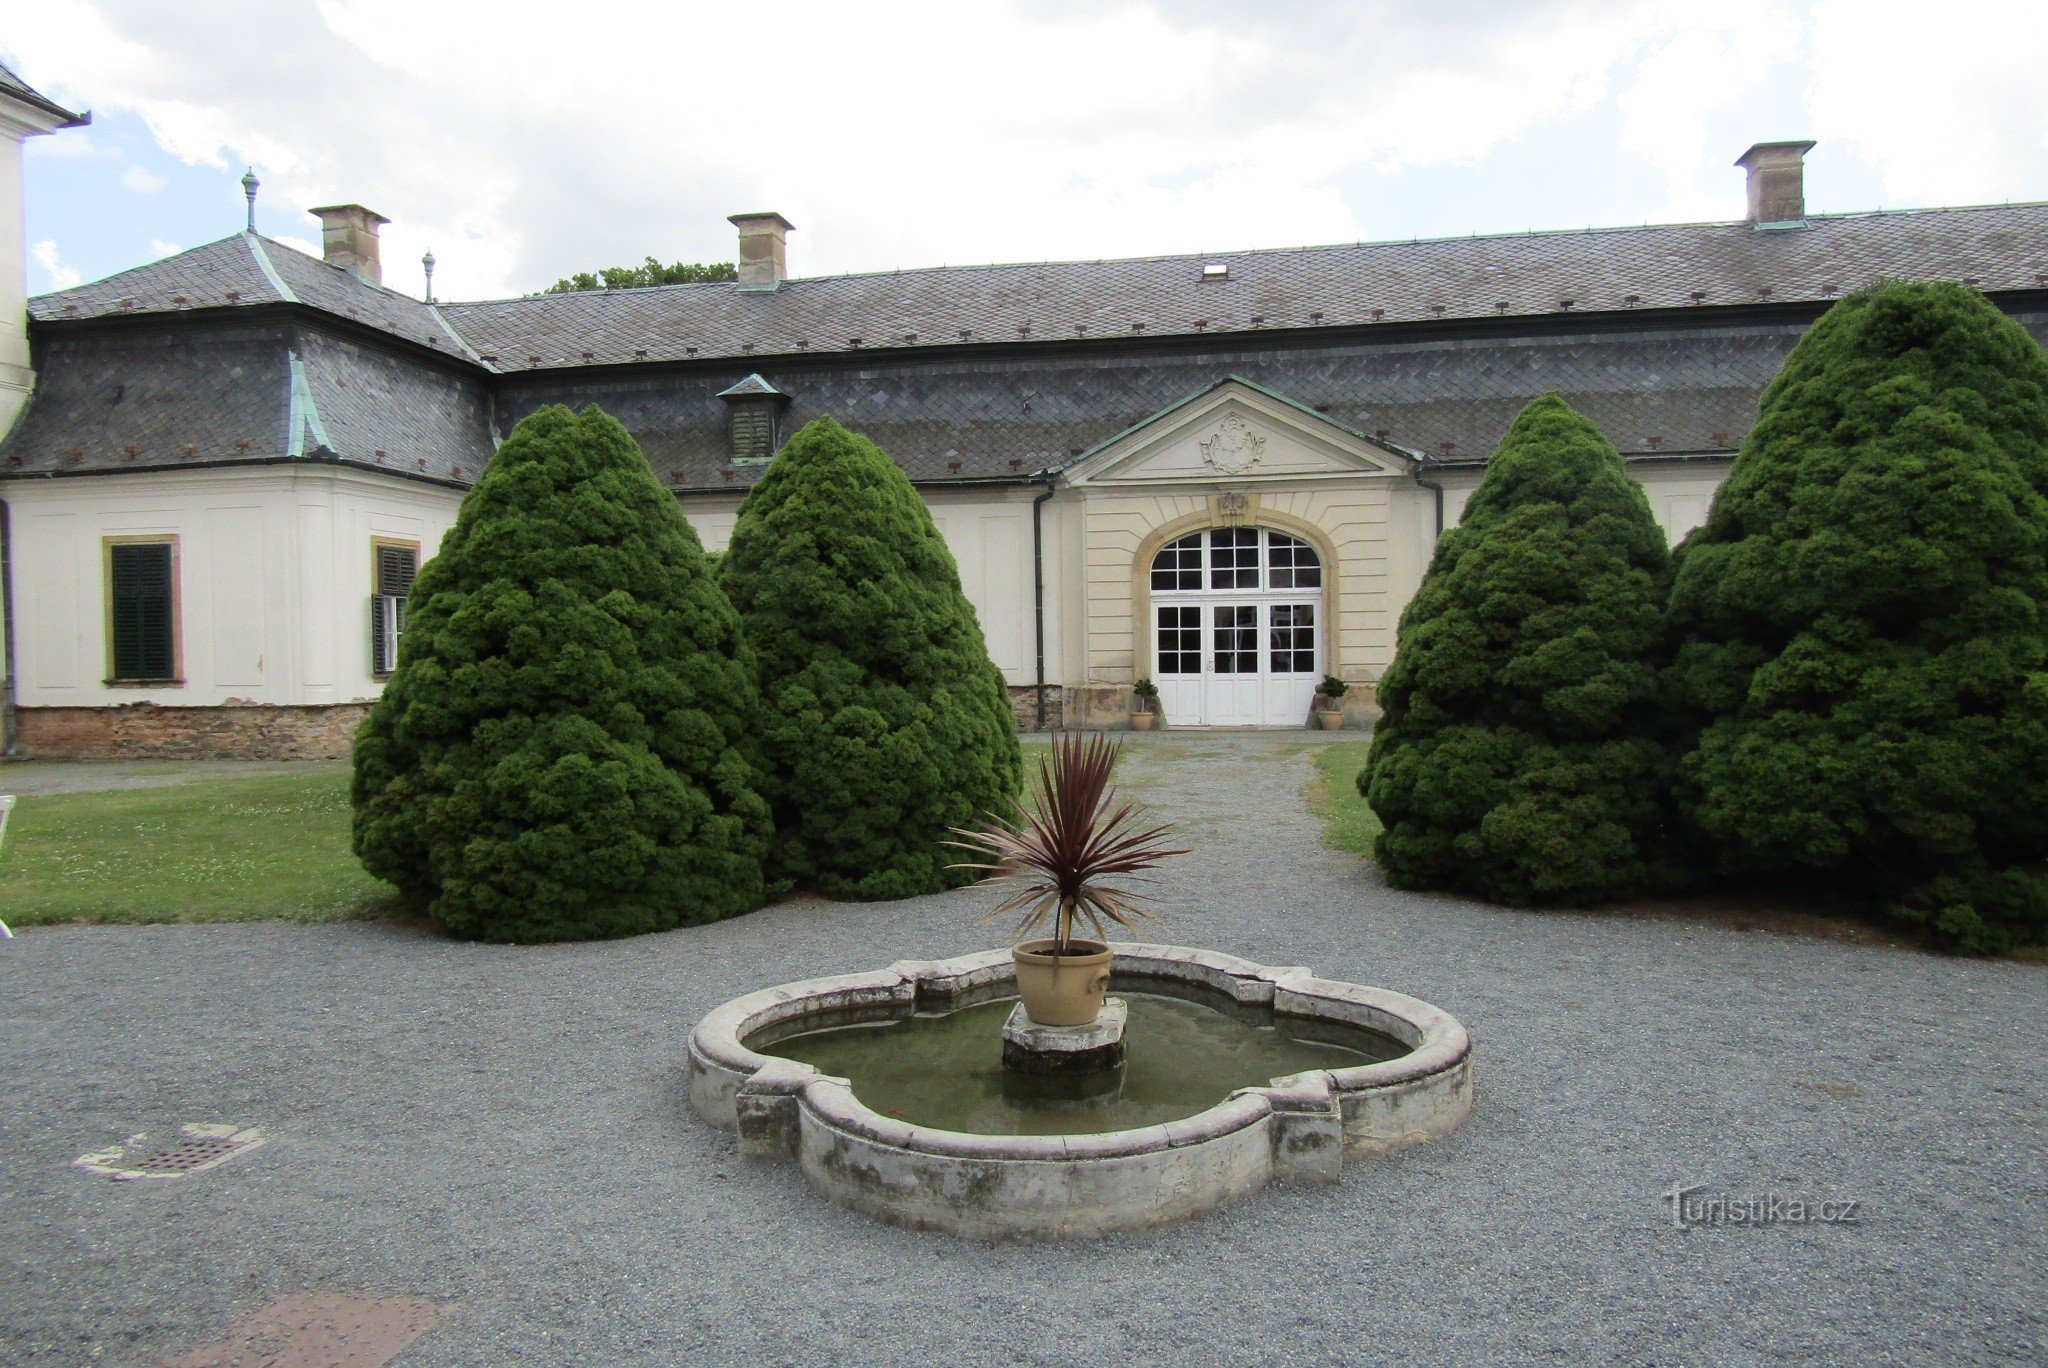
(1224, 472)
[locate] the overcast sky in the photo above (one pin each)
(522, 141)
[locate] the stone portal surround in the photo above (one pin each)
(1019, 1187)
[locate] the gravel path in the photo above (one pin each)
(40, 778)
(505, 1130)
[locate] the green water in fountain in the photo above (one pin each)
(945, 1070)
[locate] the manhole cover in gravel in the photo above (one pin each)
(187, 1157)
(198, 1148)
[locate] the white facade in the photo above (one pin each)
(1680, 491)
(272, 568)
(19, 121)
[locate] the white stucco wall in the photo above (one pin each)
(17, 124)
(274, 577)
(275, 563)
(989, 534)
(1680, 493)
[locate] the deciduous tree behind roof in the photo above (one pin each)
(649, 272)
(563, 750)
(1862, 620)
(1521, 755)
(885, 722)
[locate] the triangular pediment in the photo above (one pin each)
(1235, 432)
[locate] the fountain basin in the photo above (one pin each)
(1010, 1186)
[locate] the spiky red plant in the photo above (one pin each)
(1068, 844)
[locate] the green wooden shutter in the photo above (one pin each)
(145, 637)
(753, 431)
(396, 566)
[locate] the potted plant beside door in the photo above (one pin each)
(1329, 706)
(1060, 857)
(1144, 705)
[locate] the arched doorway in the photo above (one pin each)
(1237, 628)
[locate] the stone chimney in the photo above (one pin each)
(761, 249)
(1777, 183)
(348, 239)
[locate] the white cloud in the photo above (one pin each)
(142, 180)
(1948, 112)
(77, 143)
(1700, 60)
(920, 131)
(61, 277)
(160, 248)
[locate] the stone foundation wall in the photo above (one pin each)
(1107, 707)
(150, 731)
(1024, 706)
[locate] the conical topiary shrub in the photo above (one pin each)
(1861, 621)
(1519, 758)
(885, 723)
(562, 750)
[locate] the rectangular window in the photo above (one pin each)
(395, 565)
(1293, 561)
(1236, 640)
(142, 612)
(1180, 640)
(1178, 564)
(1292, 638)
(1234, 558)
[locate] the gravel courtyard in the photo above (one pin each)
(504, 1131)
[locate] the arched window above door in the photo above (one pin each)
(1240, 559)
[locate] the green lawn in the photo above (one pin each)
(264, 847)
(1348, 824)
(218, 849)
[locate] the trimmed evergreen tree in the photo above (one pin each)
(885, 724)
(1520, 757)
(562, 751)
(1861, 621)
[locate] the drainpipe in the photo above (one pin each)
(1422, 464)
(1038, 586)
(8, 740)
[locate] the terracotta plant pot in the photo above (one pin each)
(1143, 721)
(1331, 718)
(1062, 990)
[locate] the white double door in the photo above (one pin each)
(1237, 662)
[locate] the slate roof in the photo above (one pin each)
(13, 85)
(2003, 247)
(245, 390)
(926, 382)
(244, 270)
(1682, 266)
(1007, 415)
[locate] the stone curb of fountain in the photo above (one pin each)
(1010, 1186)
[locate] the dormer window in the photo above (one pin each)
(754, 419)
(1216, 270)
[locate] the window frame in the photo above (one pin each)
(770, 410)
(377, 545)
(113, 678)
(1266, 570)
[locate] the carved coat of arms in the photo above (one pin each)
(1233, 448)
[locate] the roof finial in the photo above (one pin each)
(428, 262)
(249, 184)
